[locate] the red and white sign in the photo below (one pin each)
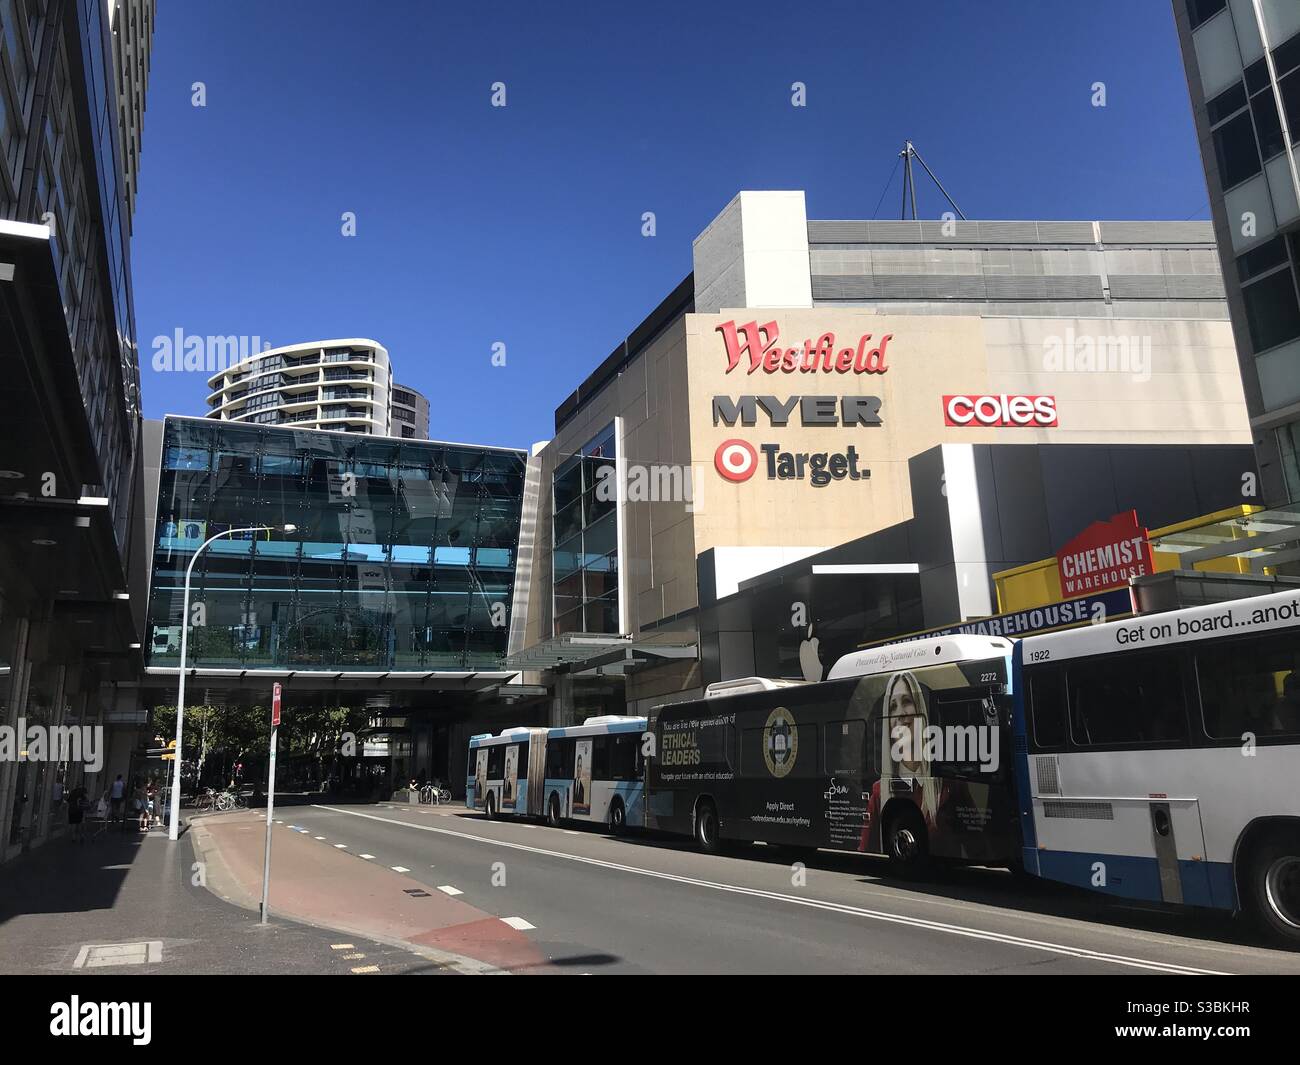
(1107, 554)
(1036, 412)
(757, 344)
(736, 460)
(275, 705)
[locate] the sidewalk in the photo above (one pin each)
(137, 891)
(321, 885)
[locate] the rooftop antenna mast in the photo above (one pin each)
(909, 182)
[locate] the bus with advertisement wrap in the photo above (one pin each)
(591, 772)
(1163, 757)
(903, 751)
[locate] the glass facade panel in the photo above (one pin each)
(401, 554)
(585, 531)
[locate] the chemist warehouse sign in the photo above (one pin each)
(1107, 554)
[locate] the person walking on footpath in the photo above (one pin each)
(77, 812)
(117, 797)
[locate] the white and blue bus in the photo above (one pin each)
(1161, 757)
(591, 772)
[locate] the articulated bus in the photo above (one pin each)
(590, 772)
(904, 751)
(1163, 757)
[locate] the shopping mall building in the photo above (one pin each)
(831, 433)
(835, 432)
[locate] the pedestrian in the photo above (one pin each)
(77, 812)
(117, 797)
(146, 818)
(138, 804)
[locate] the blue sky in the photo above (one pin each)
(522, 224)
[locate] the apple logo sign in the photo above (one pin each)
(809, 659)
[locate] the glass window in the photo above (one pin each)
(1290, 89)
(624, 757)
(1272, 310)
(1200, 10)
(585, 532)
(1131, 698)
(1236, 151)
(1250, 685)
(1267, 126)
(1225, 104)
(1047, 705)
(1261, 259)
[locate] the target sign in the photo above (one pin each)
(736, 460)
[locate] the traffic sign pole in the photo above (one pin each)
(270, 798)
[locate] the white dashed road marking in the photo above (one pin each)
(517, 923)
(447, 889)
(367, 857)
(400, 869)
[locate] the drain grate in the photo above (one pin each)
(416, 893)
(102, 955)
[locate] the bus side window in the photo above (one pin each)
(600, 757)
(1047, 705)
(555, 758)
(496, 761)
(521, 762)
(1250, 685)
(871, 749)
(1127, 698)
(624, 757)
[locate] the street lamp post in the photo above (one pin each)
(174, 826)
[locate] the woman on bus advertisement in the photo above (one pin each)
(904, 769)
(508, 786)
(480, 777)
(582, 778)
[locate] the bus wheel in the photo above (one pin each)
(906, 844)
(490, 806)
(706, 826)
(617, 817)
(553, 811)
(1273, 883)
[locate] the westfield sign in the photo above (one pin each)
(757, 345)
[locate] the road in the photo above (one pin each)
(591, 903)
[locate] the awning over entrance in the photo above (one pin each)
(584, 652)
(1263, 542)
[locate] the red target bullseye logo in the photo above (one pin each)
(735, 460)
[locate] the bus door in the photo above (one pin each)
(535, 773)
